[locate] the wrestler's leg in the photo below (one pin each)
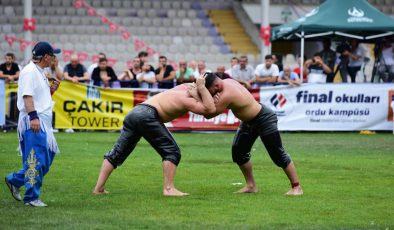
(242, 145)
(279, 156)
(125, 144)
(163, 142)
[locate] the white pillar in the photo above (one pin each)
(265, 5)
(28, 34)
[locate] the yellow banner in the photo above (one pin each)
(80, 106)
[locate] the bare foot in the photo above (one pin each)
(103, 192)
(247, 189)
(174, 192)
(296, 191)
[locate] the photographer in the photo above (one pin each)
(316, 69)
(329, 57)
(386, 55)
(343, 49)
(356, 56)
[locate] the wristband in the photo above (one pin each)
(33, 115)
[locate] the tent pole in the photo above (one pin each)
(265, 4)
(302, 56)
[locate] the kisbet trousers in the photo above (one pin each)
(36, 161)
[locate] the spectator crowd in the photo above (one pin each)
(348, 59)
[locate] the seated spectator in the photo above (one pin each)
(94, 65)
(143, 56)
(288, 77)
(234, 61)
(221, 72)
(147, 78)
(165, 74)
(76, 72)
(329, 57)
(201, 68)
(103, 75)
(184, 74)
(128, 78)
(316, 69)
(9, 70)
(267, 73)
(54, 71)
(243, 73)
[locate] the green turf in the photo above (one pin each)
(347, 178)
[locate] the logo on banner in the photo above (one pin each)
(278, 100)
(390, 106)
(357, 15)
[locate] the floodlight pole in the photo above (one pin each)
(28, 9)
(265, 4)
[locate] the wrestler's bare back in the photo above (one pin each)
(172, 103)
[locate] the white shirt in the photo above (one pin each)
(33, 82)
(242, 74)
(359, 52)
(261, 70)
(52, 74)
(147, 76)
(91, 68)
(388, 55)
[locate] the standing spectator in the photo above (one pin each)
(201, 68)
(386, 55)
(76, 72)
(277, 60)
(288, 77)
(103, 75)
(343, 48)
(143, 56)
(329, 57)
(165, 74)
(94, 65)
(267, 73)
(9, 70)
(147, 78)
(243, 72)
(221, 72)
(356, 58)
(316, 69)
(54, 71)
(37, 142)
(184, 74)
(233, 62)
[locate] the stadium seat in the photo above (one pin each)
(126, 4)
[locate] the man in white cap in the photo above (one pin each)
(37, 142)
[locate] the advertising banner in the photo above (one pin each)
(331, 106)
(11, 98)
(87, 107)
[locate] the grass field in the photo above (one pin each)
(348, 181)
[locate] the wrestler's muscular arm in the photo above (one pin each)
(29, 106)
(204, 104)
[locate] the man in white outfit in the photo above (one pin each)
(37, 142)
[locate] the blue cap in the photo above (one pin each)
(42, 48)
